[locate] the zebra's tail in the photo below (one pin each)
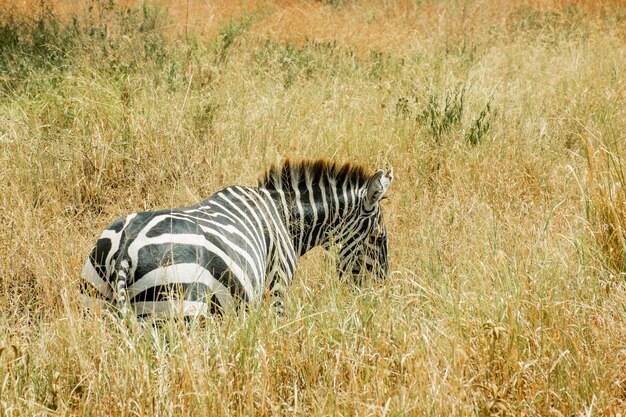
(120, 286)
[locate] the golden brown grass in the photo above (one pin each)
(508, 292)
(606, 205)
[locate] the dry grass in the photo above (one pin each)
(606, 204)
(508, 295)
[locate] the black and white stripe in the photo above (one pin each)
(241, 243)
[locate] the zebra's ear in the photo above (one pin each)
(377, 186)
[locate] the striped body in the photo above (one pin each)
(240, 244)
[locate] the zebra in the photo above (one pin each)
(241, 244)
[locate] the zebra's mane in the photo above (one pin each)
(317, 170)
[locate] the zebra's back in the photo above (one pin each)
(185, 260)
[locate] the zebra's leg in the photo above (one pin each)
(276, 292)
(95, 292)
(276, 301)
(95, 288)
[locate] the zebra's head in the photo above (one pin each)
(362, 242)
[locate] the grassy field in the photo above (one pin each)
(505, 125)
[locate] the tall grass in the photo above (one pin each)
(507, 292)
(606, 205)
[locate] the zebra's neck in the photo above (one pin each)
(315, 210)
(317, 198)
